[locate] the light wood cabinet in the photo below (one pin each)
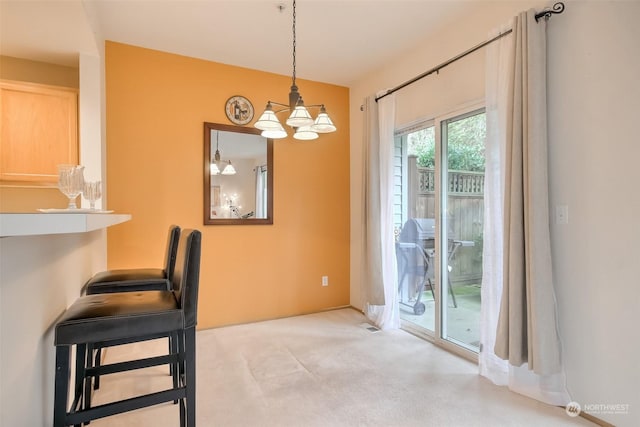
(38, 131)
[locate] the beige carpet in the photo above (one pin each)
(325, 369)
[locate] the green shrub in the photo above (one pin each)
(465, 148)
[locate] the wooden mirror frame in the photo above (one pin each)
(208, 127)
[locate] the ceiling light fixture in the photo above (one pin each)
(305, 127)
(217, 162)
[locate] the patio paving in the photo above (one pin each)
(462, 322)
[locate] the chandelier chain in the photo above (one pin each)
(294, 44)
(305, 127)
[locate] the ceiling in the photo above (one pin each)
(237, 145)
(337, 41)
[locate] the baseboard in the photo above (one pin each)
(592, 418)
(304, 313)
(595, 420)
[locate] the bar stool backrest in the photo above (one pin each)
(172, 250)
(186, 275)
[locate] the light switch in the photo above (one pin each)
(562, 214)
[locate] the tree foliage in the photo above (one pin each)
(465, 148)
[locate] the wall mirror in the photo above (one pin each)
(238, 176)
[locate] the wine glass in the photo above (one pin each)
(70, 181)
(92, 191)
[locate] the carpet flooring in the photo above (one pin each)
(326, 369)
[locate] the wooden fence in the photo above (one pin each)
(465, 213)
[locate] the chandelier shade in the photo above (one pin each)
(268, 120)
(216, 165)
(305, 127)
(229, 169)
(323, 123)
(305, 133)
(213, 169)
(274, 133)
(299, 116)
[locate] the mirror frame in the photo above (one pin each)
(208, 127)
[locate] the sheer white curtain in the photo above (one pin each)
(380, 269)
(520, 341)
(261, 185)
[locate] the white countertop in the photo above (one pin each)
(31, 224)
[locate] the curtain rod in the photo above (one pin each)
(546, 14)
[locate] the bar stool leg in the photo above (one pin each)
(183, 413)
(88, 381)
(179, 374)
(61, 386)
(190, 375)
(79, 382)
(174, 367)
(96, 363)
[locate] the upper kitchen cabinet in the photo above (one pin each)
(38, 131)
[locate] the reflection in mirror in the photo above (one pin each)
(238, 175)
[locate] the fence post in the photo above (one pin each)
(412, 183)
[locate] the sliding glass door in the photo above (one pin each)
(462, 209)
(439, 220)
(415, 215)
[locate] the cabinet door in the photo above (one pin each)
(38, 131)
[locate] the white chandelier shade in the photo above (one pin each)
(268, 120)
(300, 116)
(323, 123)
(214, 169)
(229, 169)
(274, 133)
(305, 133)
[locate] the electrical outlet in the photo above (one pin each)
(325, 280)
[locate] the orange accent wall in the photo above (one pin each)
(156, 106)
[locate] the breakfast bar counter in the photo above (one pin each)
(45, 258)
(30, 224)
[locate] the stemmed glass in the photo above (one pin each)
(92, 191)
(70, 182)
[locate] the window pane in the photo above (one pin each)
(416, 233)
(463, 142)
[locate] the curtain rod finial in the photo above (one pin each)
(546, 14)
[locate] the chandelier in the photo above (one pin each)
(217, 163)
(305, 127)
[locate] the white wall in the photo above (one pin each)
(594, 103)
(90, 107)
(594, 108)
(40, 276)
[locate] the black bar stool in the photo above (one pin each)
(132, 317)
(138, 279)
(130, 280)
